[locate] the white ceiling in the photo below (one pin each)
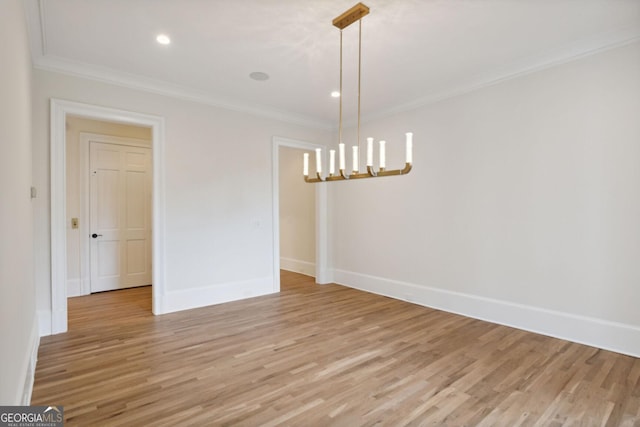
(414, 51)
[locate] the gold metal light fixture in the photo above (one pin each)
(355, 14)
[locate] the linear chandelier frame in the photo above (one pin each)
(355, 14)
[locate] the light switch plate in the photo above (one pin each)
(74, 222)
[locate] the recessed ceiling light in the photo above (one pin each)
(163, 39)
(259, 76)
(335, 94)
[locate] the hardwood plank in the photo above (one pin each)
(321, 355)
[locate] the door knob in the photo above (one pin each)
(94, 235)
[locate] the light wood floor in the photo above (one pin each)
(321, 355)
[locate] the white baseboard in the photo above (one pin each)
(52, 322)
(74, 287)
(298, 266)
(614, 336)
(23, 397)
(59, 321)
(215, 294)
(44, 322)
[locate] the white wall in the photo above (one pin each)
(219, 239)
(74, 126)
(297, 215)
(523, 206)
(18, 325)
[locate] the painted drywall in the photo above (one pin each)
(524, 198)
(219, 225)
(74, 126)
(18, 323)
(522, 207)
(297, 215)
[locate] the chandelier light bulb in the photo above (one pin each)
(369, 151)
(319, 160)
(409, 159)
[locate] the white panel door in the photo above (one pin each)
(120, 216)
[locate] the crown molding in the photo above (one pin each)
(561, 55)
(160, 87)
(36, 24)
(35, 13)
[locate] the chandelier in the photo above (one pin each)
(356, 13)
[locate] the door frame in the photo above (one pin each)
(58, 115)
(322, 230)
(86, 138)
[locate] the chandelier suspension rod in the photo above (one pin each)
(340, 131)
(359, 76)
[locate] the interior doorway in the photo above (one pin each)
(297, 215)
(109, 210)
(60, 221)
(322, 273)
